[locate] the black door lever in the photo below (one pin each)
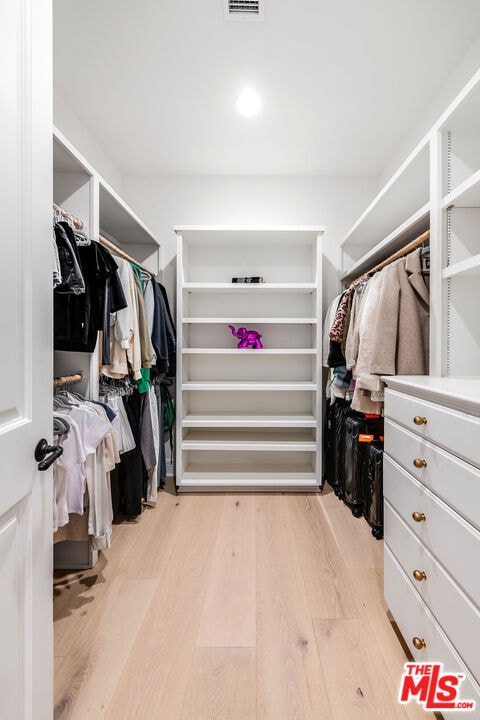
(42, 450)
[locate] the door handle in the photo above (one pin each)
(46, 454)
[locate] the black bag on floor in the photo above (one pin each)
(373, 487)
(356, 426)
(341, 410)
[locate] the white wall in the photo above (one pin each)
(334, 202)
(66, 120)
(434, 107)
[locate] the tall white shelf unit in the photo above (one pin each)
(80, 190)
(248, 418)
(431, 467)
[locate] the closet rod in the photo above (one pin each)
(68, 216)
(396, 255)
(111, 246)
(103, 240)
(68, 379)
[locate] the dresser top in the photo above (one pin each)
(461, 394)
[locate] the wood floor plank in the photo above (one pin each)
(290, 681)
(229, 612)
(154, 681)
(330, 591)
(352, 535)
(138, 550)
(221, 685)
(355, 671)
(97, 666)
(369, 589)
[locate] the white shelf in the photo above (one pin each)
(247, 440)
(249, 446)
(257, 321)
(410, 229)
(467, 194)
(244, 386)
(198, 287)
(249, 475)
(470, 266)
(225, 420)
(402, 196)
(249, 352)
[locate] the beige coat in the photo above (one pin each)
(401, 339)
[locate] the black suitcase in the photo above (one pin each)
(357, 425)
(340, 412)
(373, 487)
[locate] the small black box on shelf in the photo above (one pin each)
(254, 279)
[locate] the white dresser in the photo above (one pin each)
(432, 522)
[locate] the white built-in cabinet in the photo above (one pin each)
(432, 427)
(248, 418)
(80, 190)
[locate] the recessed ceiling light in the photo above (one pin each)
(249, 103)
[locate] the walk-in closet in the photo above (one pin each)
(240, 387)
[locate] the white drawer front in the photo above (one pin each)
(455, 481)
(453, 430)
(459, 619)
(454, 543)
(415, 620)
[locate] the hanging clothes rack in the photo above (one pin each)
(395, 256)
(121, 253)
(68, 380)
(79, 225)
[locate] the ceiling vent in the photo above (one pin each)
(245, 10)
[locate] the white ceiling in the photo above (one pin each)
(156, 81)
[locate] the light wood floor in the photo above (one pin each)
(231, 607)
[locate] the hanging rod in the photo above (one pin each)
(396, 256)
(103, 240)
(68, 379)
(121, 253)
(79, 224)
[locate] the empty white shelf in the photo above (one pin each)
(225, 420)
(250, 440)
(467, 194)
(470, 266)
(243, 386)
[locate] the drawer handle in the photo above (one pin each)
(419, 463)
(419, 420)
(419, 575)
(419, 517)
(419, 643)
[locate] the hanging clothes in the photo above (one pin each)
(78, 318)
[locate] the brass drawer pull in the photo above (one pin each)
(419, 575)
(419, 420)
(419, 516)
(419, 463)
(419, 643)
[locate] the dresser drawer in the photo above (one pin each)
(452, 541)
(453, 430)
(459, 619)
(415, 620)
(454, 480)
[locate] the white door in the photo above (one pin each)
(26, 658)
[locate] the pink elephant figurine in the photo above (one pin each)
(247, 338)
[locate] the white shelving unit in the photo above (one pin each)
(80, 189)
(249, 418)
